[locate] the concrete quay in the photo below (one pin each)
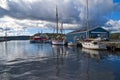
(112, 45)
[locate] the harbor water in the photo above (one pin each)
(20, 60)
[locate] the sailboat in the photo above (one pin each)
(92, 43)
(58, 40)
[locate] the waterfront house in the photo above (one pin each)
(93, 33)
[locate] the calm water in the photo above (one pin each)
(20, 60)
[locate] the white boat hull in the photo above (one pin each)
(71, 44)
(90, 45)
(57, 42)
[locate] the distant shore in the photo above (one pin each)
(14, 38)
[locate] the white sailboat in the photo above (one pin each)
(59, 40)
(94, 43)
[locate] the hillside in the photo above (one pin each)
(115, 36)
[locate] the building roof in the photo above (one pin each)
(84, 30)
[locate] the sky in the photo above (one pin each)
(27, 17)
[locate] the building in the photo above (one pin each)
(93, 33)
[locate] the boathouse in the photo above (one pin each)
(93, 33)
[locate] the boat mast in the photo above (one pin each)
(87, 19)
(5, 32)
(61, 30)
(56, 20)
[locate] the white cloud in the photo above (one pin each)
(21, 27)
(41, 13)
(3, 4)
(113, 25)
(68, 9)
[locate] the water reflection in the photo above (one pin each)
(98, 64)
(20, 50)
(96, 54)
(20, 60)
(60, 53)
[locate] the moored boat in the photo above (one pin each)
(39, 39)
(58, 42)
(59, 39)
(71, 44)
(93, 44)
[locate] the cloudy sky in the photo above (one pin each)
(26, 17)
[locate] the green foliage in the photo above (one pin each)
(37, 34)
(115, 36)
(50, 35)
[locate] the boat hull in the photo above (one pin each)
(39, 41)
(57, 42)
(71, 44)
(90, 45)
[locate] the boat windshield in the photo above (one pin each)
(87, 40)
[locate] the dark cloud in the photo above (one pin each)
(70, 11)
(3, 12)
(42, 10)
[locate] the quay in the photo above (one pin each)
(112, 44)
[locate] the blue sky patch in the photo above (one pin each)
(116, 1)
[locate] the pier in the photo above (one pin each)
(112, 44)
